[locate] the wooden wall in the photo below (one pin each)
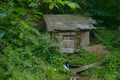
(81, 40)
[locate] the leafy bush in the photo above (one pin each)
(31, 55)
(25, 53)
(109, 70)
(110, 39)
(113, 63)
(83, 58)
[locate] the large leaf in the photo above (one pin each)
(36, 31)
(60, 2)
(72, 5)
(38, 13)
(24, 24)
(2, 34)
(51, 6)
(4, 14)
(32, 4)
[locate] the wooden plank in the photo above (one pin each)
(82, 68)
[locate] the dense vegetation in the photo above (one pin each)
(109, 70)
(27, 54)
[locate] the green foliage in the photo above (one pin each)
(32, 55)
(110, 38)
(59, 3)
(83, 58)
(109, 70)
(25, 53)
(105, 12)
(2, 34)
(113, 61)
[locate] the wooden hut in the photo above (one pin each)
(70, 30)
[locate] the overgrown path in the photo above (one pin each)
(98, 49)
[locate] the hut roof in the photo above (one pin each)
(65, 22)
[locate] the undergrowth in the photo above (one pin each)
(110, 38)
(30, 55)
(109, 70)
(83, 58)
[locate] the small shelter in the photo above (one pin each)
(70, 30)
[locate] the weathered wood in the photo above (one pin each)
(82, 68)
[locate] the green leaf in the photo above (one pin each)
(57, 6)
(51, 6)
(2, 34)
(38, 13)
(33, 39)
(21, 10)
(29, 0)
(60, 1)
(36, 31)
(32, 4)
(24, 24)
(21, 35)
(73, 5)
(3, 14)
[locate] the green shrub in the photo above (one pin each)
(110, 39)
(31, 56)
(109, 70)
(113, 62)
(83, 58)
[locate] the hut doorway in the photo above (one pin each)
(68, 43)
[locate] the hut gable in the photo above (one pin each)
(68, 22)
(70, 30)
